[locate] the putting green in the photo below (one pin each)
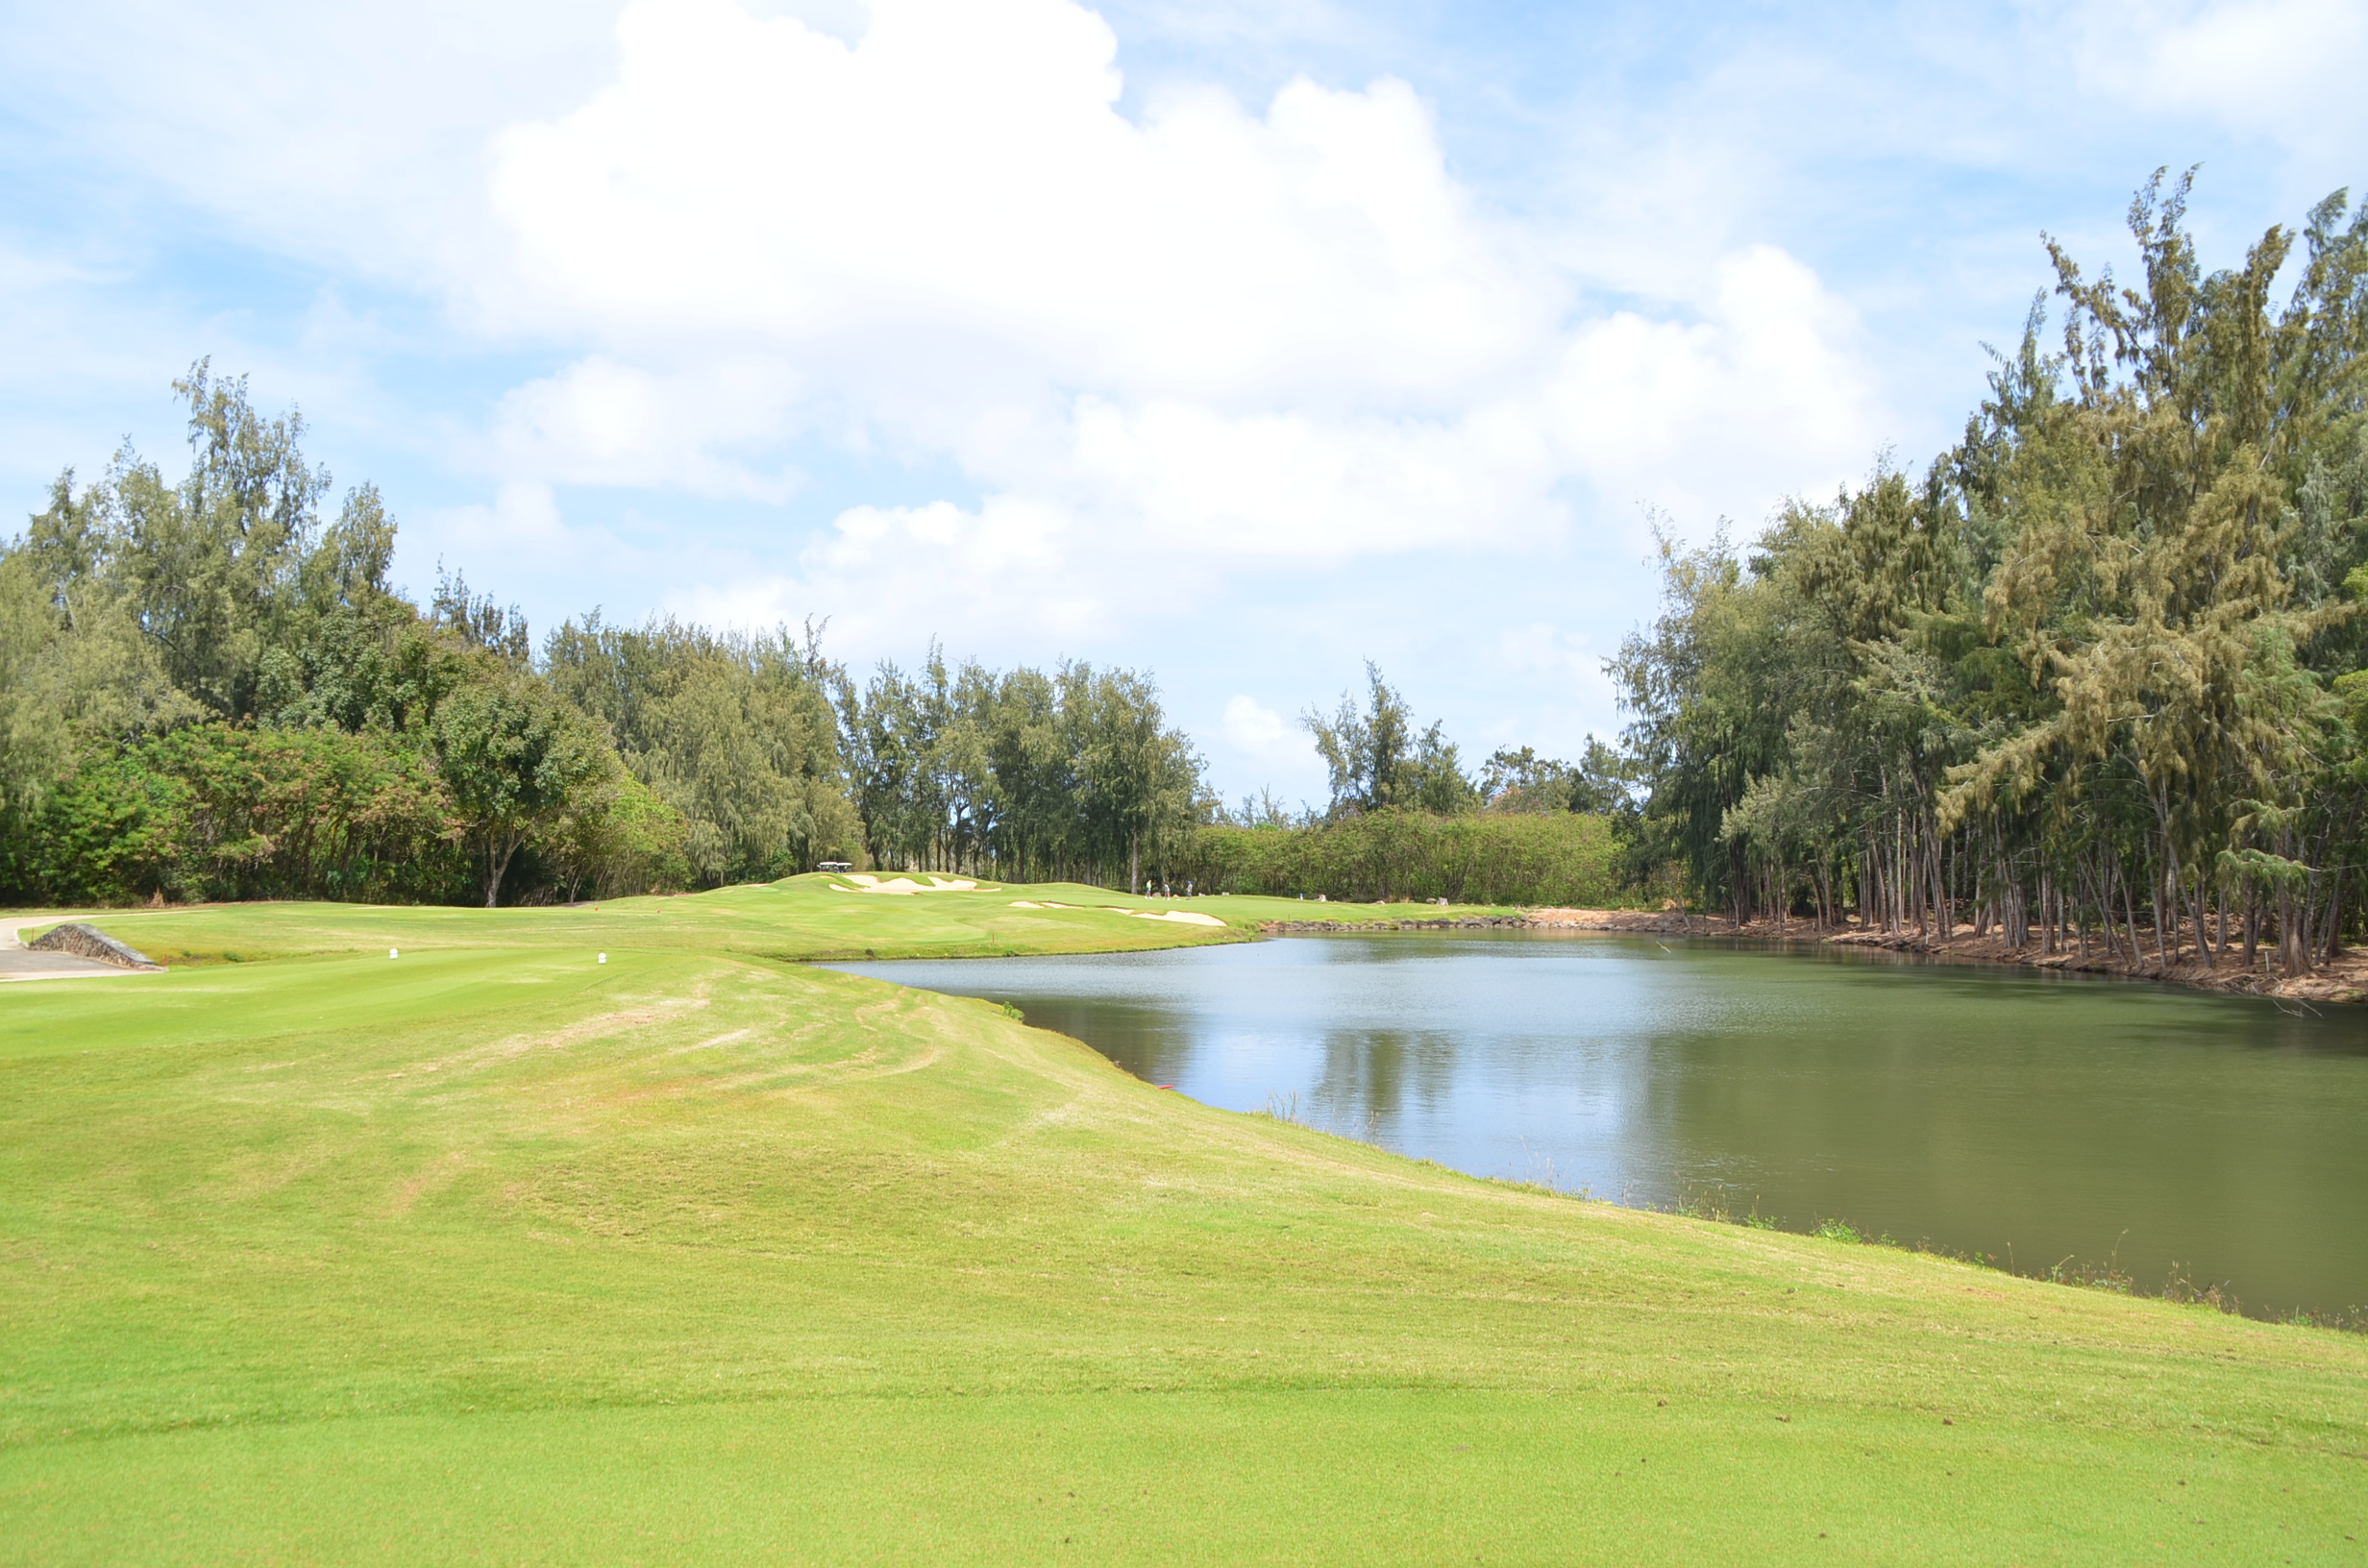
(495, 1252)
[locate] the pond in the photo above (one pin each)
(2034, 1118)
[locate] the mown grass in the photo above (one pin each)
(495, 1253)
(799, 919)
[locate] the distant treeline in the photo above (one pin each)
(210, 691)
(1028, 776)
(1073, 775)
(2098, 678)
(1406, 821)
(1475, 857)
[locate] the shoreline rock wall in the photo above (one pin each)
(2345, 980)
(90, 941)
(1669, 922)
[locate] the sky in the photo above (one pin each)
(1238, 343)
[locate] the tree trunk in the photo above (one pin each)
(1937, 879)
(2306, 930)
(2203, 933)
(2334, 917)
(2290, 951)
(497, 867)
(2129, 912)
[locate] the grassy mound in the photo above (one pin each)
(798, 919)
(493, 1252)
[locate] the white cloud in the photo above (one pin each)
(1254, 729)
(1694, 417)
(959, 188)
(1550, 659)
(351, 135)
(892, 576)
(1541, 648)
(1195, 344)
(600, 421)
(2281, 68)
(523, 520)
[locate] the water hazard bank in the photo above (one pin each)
(2036, 1119)
(2338, 977)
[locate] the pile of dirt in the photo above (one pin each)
(90, 941)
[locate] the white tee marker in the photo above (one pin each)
(603, 958)
(393, 953)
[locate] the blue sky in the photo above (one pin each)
(1238, 342)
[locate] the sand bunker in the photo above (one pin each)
(864, 882)
(1182, 916)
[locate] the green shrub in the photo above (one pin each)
(219, 812)
(1471, 858)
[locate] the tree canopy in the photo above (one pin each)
(1074, 773)
(2095, 674)
(2103, 656)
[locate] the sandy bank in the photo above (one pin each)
(2344, 979)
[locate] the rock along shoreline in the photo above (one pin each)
(2342, 980)
(1661, 922)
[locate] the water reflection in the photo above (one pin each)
(2032, 1117)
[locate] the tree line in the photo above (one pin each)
(209, 689)
(2093, 680)
(1475, 856)
(1406, 819)
(1035, 775)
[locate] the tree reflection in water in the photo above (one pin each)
(1987, 1109)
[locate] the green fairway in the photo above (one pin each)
(495, 1253)
(799, 919)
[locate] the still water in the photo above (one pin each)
(2032, 1118)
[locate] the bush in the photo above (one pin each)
(219, 812)
(1473, 858)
